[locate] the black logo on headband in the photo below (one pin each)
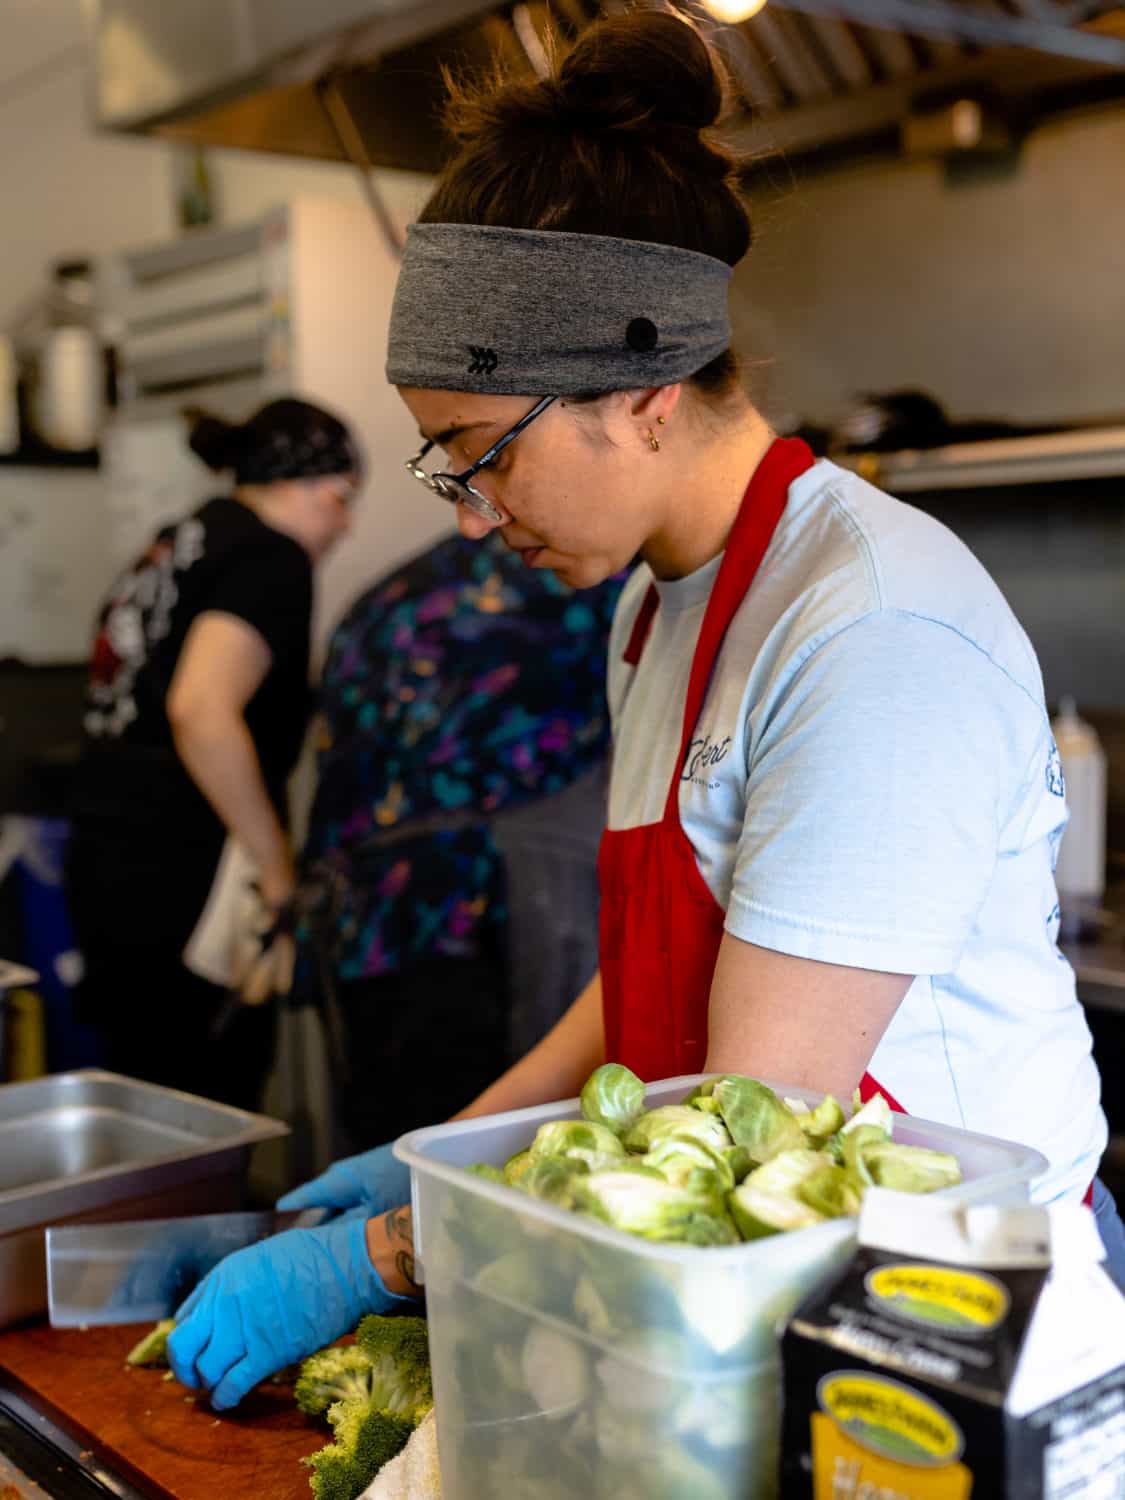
(483, 362)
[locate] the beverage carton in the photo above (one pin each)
(966, 1351)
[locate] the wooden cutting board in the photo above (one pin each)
(145, 1427)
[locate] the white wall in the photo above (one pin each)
(67, 190)
(247, 183)
(342, 282)
(63, 189)
(1004, 297)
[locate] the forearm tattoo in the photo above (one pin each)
(400, 1233)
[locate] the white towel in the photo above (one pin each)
(225, 941)
(414, 1473)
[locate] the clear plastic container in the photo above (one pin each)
(571, 1360)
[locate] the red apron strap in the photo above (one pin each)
(641, 627)
(749, 540)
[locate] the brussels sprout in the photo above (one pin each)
(635, 1293)
(483, 1395)
(875, 1112)
(756, 1118)
(912, 1169)
(509, 1368)
(613, 1096)
(642, 1203)
(785, 1171)
(476, 1226)
(851, 1148)
(590, 1308)
(673, 1475)
(687, 1162)
(489, 1174)
(831, 1191)
(519, 1279)
(823, 1121)
(677, 1119)
(702, 1097)
(555, 1371)
(622, 1437)
(645, 1372)
(516, 1166)
(552, 1178)
(512, 1460)
(758, 1213)
(740, 1161)
(578, 1138)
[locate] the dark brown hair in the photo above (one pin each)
(284, 439)
(613, 141)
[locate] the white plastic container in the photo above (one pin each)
(655, 1366)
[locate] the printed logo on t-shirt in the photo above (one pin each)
(702, 755)
(137, 618)
(1054, 923)
(1055, 782)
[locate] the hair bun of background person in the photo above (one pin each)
(217, 442)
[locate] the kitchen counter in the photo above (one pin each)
(164, 1443)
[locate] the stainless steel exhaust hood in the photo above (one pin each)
(253, 73)
(361, 80)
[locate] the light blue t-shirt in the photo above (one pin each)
(873, 782)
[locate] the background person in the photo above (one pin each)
(449, 866)
(197, 708)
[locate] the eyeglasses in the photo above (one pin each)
(456, 487)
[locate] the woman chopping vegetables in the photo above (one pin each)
(835, 799)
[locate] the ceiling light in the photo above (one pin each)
(733, 11)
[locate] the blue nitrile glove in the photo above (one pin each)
(374, 1180)
(273, 1303)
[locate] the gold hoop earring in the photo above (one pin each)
(653, 440)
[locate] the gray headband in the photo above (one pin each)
(522, 312)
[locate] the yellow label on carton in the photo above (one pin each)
(888, 1418)
(940, 1297)
(842, 1470)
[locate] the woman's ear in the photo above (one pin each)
(654, 403)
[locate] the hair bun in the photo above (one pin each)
(642, 70)
(218, 443)
(614, 141)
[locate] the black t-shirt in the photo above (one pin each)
(222, 558)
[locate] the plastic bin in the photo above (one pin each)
(571, 1360)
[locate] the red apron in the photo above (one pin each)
(660, 927)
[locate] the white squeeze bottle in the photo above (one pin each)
(9, 408)
(1080, 871)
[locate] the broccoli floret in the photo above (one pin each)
(399, 1351)
(374, 1393)
(153, 1348)
(341, 1373)
(366, 1439)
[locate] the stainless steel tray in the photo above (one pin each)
(93, 1145)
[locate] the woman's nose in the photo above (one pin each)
(474, 528)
